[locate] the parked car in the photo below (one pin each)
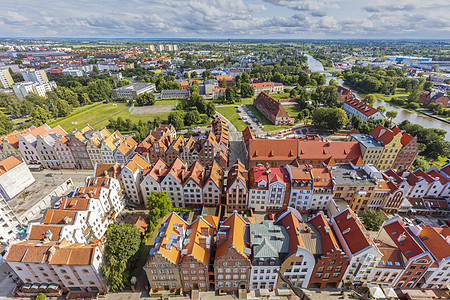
(270, 216)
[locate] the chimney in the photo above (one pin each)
(202, 242)
(221, 238)
(401, 238)
(204, 231)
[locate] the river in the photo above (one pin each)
(403, 114)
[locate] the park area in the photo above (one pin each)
(97, 115)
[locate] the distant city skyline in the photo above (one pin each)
(279, 19)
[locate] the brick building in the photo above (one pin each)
(272, 110)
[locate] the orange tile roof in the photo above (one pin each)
(177, 169)
(195, 173)
(215, 174)
(39, 231)
(166, 245)
(236, 173)
(194, 247)
(92, 192)
(234, 227)
(59, 216)
(75, 203)
(73, 255)
(436, 241)
(159, 171)
(222, 77)
(30, 251)
(9, 163)
(289, 149)
(322, 178)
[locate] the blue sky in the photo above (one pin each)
(296, 19)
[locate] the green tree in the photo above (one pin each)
(428, 85)
(245, 77)
(391, 114)
(193, 74)
(210, 109)
(146, 99)
(370, 99)
(373, 219)
(122, 242)
(62, 108)
(438, 147)
(192, 117)
(159, 205)
(223, 83)
(330, 118)
(41, 296)
(231, 95)
(40, 115)
(176, 120)
(247, 90)
(6, 126)
(413, 97)
(356, 122)
(381, 108)
(194, 88)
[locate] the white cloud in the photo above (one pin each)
(226, 18)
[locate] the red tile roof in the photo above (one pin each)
(360, 106)
(403, 239)
(435, 241)
(354, 235)
(329, 241)
(9, 163)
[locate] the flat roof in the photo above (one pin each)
(366, 140)
(342, 175)
(135, 86)
(35, 193)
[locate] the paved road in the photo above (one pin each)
(237, 147)
(257, 127)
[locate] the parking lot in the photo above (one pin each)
(249, 118)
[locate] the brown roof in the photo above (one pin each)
(195, 173)
(159, 171)
(39, 231)
(59, 216)
(269, 107)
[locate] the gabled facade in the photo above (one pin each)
(297, 267)
(357, 244)
(232, 263)
(132, 178)
(332, 264)
(213, 186)
(237, 192)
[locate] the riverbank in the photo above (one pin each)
(425, 112)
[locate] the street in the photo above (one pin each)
(237, 146)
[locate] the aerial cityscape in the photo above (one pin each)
(225, 150)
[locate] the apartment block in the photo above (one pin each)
(22, 89)
(132, 177)
(33, 75)
(237, 190)
(5, 79)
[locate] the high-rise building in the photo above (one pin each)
(6, 79)
(34, 75)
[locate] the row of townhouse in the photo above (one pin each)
(192, 186)
(65, 248)
(431, 183)
(321, 252)
(306, 188)
(54, 148)
(384, 148)
(162, 143)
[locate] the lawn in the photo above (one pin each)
(292, 110)
(90, 114)
(97, 116)
(230, 113)
(268, 126)
(280, 95)
(166, 102)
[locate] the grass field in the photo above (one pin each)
(166, 102)
(230, 113)
(101, 112)
(292, 110)
(268, 126)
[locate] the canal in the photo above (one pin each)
(403, 114)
